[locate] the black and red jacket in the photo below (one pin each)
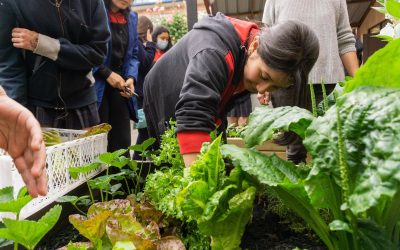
(196, 78)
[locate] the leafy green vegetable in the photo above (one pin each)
(29, 233)
(377, 70)
(265, 122)
(9, 204)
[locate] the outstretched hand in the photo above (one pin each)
(21, 137)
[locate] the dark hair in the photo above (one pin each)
(291, 47)
(157, 31)
(125, 12)
(144, 24)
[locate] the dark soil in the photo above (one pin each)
(266, 232)
(63, 237)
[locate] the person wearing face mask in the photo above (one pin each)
(163, 42)
(219, 60)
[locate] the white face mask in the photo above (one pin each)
(162, 44)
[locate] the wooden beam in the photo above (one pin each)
(191, 12)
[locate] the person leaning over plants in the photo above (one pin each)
(214, 63)
(21, 137)
(116, 78)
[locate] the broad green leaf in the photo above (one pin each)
(15, 206)
(108, 157)
(132, 165)
(68, 198)
(210, 167)
(192, 200)
(393, 8)
(218, 203)
(370, 118)
(23, 192)
(6, 194)
(29, 233)
(384, 38)
(120, 162)
(75, 171)
(373, 237)
(269, 170)
(144, 146)
(264, 122)
(114, 188)
(381, 69)
(227, 231)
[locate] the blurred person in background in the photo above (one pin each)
(147, 49)
(117, 76)
(162, 39)
(47, 52)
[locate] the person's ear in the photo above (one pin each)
(253, 45)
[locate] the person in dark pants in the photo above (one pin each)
(220, 58)
(47, 52)
(115, 79)
(147, 49)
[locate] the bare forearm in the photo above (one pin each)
(350, 62)
(189, 158)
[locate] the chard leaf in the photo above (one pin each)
(227, 231)
(379, 70)
(264, 122)
(373, 237)
(29, 233)
(218, 203)
(370, 117)
(270, 170)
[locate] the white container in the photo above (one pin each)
(72, 152)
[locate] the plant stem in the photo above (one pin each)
(108, 166)
(76, 207)
(127, 186)
(344, 176)
(325, 99)
(313, 101)
(90, 192)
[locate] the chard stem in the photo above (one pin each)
(313, 102)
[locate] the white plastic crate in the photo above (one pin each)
(72, 152)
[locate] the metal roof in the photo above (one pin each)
(253, 9)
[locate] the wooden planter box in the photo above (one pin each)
(267, 147)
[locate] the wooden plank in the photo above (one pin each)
(266, 146)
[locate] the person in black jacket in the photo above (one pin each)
(219, 58)
(147, 49)
(47, 51)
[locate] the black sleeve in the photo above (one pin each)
(103, 72)
(146, 57)
(205, 79)
(88, 55)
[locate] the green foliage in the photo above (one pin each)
(169, 149)
(265, 122)
(381, 69)
(220, 204)
(51, 137)
(368, 131)
(9, 204)
(29, 233)
(235, 131)
(177, 27)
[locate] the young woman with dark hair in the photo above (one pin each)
(217, 61)
(162, 39)
(116, 78)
